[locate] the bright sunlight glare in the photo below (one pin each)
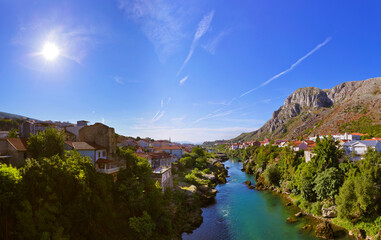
(50, 51)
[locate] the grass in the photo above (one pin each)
(371, 227)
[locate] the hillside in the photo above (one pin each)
(9, 121)
(310, 111)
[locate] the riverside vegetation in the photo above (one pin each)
(59, 195)
(347, 194)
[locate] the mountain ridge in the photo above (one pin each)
(311, 111)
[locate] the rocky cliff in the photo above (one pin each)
(310, 111)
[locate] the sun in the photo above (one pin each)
(50, 51)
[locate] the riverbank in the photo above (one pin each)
(199, 188)
(323, 227)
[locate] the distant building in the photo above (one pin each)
(158, 159)
(74, 129)
(128, 142)
(102, 135)
(143, 144)
(178, 151)
(355, 150)
(33, 127)
(164, 177)
(339, 136)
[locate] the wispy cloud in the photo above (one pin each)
(215, 114)
(118, 80)
(122, 81)
(291, 67)
(158, 116)
(224, 103)
(178, 119)
(162, 103)
(161, 21)
(183, 80)
(212, 45)
(203, 27)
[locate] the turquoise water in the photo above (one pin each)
(241, 213)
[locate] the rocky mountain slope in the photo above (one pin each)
(310, 111)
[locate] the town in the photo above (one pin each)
(99, 143)
(354, 145)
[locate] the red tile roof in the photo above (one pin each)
(168, 148)
(360, 134)
(20, 144)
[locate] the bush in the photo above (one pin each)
(316, 208)
(328, 183)
(187, 162)
(357, 198)
(272, 175)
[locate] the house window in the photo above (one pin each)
(99, 154)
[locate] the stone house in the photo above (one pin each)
(164, 177)
(102, 135)
(13, 151)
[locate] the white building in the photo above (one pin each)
(355, 150)
(338, 137)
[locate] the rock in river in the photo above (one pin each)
(291, 220)
(299, 214)
(324, 230)
(307, 228)
(248, 182)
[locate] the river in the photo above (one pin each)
(244, 214)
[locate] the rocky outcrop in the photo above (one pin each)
(307, 228)
(247, 182)
(329, 212)
(324, 230)
(291, 220)
(358, 234)
(299, 214)
(311, 111)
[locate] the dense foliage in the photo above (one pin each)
(327, 180)
(9, 124)
(59, 195)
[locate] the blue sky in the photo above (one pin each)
(190, 70)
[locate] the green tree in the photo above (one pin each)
(304, 180)
(13, 133)
(46, 143)
(143, 226)
(327, 153)
(9, 182)
(272, 175)
(328, 183)
(357, 198)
